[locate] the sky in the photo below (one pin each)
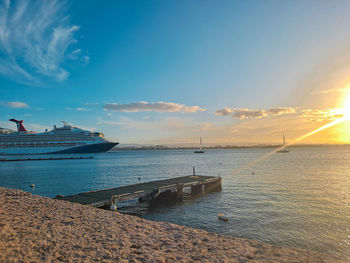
(169, 72)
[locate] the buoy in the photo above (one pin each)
(32, 185)
(113, 207)
(222, 217)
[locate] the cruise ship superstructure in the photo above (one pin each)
(60, 140)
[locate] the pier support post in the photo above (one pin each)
(196, 189)
(179, 193)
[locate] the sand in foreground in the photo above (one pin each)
(34, 228)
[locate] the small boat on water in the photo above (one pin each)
(222, 217)
(284, 149)
(200, 146)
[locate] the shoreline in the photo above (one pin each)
(227, 147)
(36, 228)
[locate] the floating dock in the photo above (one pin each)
(44, 159)
(151, 192)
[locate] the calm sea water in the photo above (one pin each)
(299, 199)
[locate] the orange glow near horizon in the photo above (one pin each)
(345, 103)
(267, 155)
(343, 131)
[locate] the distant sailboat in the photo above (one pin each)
(284, 149)
(200, 146)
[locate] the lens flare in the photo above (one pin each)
(346, 106)
(267, 155)
(341, 115)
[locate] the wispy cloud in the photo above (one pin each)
(35, 37)
(91, 104)
(315, 115)
(322, 115)
(15, 104)
(82, 109)
(185, 129)
(120, 123)
(171, 125)
(224, 112)
(328, 91)
(245, 113)
(281, 110)
(157, 106)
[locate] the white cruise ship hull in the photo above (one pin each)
(60, 140)
(87, 148)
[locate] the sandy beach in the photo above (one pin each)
(35, 228)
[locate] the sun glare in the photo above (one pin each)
(341, 116)
(346, 106)
(343, 130)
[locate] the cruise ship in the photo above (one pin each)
(60, 140)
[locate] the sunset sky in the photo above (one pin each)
(168, 72)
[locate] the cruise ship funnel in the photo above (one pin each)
(20, 127)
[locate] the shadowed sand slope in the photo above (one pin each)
(34, 228)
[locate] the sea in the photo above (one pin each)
(299, 199)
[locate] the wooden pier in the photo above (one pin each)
(169, 189)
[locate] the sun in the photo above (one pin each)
(342, 131)
(345, 108)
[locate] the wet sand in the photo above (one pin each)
(35, 228)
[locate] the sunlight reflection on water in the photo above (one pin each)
(299, 199)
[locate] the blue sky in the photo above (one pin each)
(234, 72)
